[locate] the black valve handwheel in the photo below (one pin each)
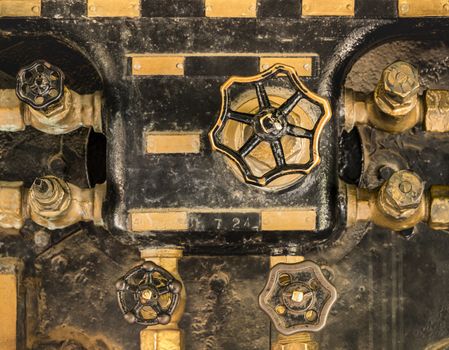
(270, 124)
(148, 295)
(40, 85)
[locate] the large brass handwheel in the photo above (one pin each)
(270, 132)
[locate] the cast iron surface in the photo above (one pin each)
(393, 291)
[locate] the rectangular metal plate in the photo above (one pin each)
(158, 65)
(20, 8)
(303, 65)
(423, 8)
(173, 142)
(8, 311)
(231, 8)
(113, 8)
(328, 7)
(198, 220)
(285, 259)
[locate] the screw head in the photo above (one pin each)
(175, 287)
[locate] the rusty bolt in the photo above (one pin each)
(397, 91)
(401, 195)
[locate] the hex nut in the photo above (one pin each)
(401, 195)
(396, 93)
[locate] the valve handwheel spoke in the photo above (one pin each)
(297, 131)
(278, 153)
(262, 96)
(245, 118)
(287, 107)
(275, 117)
(249, 145)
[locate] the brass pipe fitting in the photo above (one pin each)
(50, 202)
(301, 341)
(72, 112)
(169, 336)
(399, 204)
(394, 106)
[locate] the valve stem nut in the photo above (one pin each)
(396, 93)
(401, 195)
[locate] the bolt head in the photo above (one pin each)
(175, 287)
(164, 319)
(401, 195)
(397, 91)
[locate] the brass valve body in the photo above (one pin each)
(50, 202)
(401, 203)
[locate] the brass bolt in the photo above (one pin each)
(311, 315)
(396, 93)
(401, 195)
(280, 309)
(147, 294)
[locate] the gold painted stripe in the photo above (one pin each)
(423, 8)
(173, 142)
(20, 8)
(231, 8)
(274, 219)
(328, 8)
(159, 221)
(113, 8)
(288, 220)
(302, 65)
(158, 65)
(8, 311)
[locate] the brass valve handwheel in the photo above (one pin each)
(271, 124)
(148, 295)
(40, 85)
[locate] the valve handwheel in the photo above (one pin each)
(148, 295)
(271, 123)
(40, 85)
(297, 297)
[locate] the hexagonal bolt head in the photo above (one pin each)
(49, 197)
(396, 93)
(401, 195)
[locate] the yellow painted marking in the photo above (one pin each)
(231, 8)
(8, 311)
(302, 65)
(328, 8)
(288, 220)
(173, 142)
(158, 65)
(113, 8)
(20, 8)
(159, 221)
(423, 8)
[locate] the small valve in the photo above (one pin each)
(297, 297)
(270, 129)
(148, 295)
(40, 85)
